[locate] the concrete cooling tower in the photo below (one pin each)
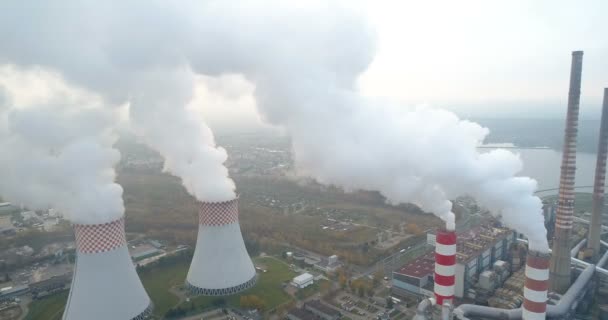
(105, 284)
(221, 264)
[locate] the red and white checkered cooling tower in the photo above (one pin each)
(445, 265)
(221, 265)
(105, 284)
(536, 286)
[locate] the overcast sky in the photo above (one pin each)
(476, 55)
(477, 58)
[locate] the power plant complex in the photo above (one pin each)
(544, 289)
(485, 272)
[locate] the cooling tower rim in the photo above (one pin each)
(236, 198)
(198, 291)
(122, 217)
(539, 254)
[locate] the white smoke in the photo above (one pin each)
(304, 60)
(57, 149)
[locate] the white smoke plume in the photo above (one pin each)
(57, 148)
(304, 60)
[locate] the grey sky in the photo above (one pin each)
(477, 58)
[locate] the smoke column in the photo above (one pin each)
(304, 59)
(57, 151)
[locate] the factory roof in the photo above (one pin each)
(317, 305)
(302, 314)
(419, 268)
(303, 278)
(471, 244)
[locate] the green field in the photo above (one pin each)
(159, 280)
(50, 308)
(583, 202)
(268, 288)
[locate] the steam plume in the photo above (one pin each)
(57, 153)
(304, 60)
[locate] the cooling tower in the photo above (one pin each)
(105, 284)
(445, 266)
(560, 263)
(536, 286)
(220, 265)
(593, 242)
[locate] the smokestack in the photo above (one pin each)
(536, 286)
(445, 266)
(593, 242)
(105, 284)
(220, 265)
(560, 263)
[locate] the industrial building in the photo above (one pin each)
(477, 250)
(321, 310)
(328, 265)
(302, 281)
(548, 292)
(220, 265)
(51, 285)
(9, 293)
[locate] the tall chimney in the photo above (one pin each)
(105, 284)
(560, 262)
(221, 265)
(535, 286)
(445, 266)
(593, 242)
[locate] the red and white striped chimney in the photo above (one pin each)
(536, 286)
(445, 265)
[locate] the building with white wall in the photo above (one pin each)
(303, 280)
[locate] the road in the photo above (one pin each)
(391, 262)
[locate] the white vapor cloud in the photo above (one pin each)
(304, 61)
(57, 148)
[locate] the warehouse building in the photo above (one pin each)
(303, 280)
(321, 310)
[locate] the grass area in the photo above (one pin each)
(583, 202)
(50, 308)
(268, 288)
(158, 282)
(311, 289)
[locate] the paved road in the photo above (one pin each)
(391, 262)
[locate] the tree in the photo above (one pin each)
(378, 276)
(324, 287)
(370, 292)
(389, 303)
(245, 302)
(342, 279)
(361, 291)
